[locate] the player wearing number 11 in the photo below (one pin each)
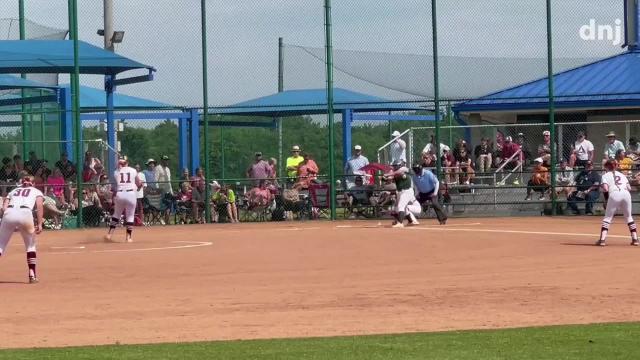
(126, 185)
(616, 192)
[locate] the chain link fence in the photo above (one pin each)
(267, 80)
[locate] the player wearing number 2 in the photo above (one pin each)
(126, 185)
(616, 192)
(18, 216)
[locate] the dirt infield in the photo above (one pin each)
(242, 281)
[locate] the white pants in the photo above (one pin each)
(125, 201)
(618, 200)
(20, 220)
(414, 208)
(404, 197)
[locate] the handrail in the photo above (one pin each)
(391, 142)
(508, 161)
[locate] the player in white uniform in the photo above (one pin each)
(616, 188)
(407, 207)
(127, 184)
(18, 216)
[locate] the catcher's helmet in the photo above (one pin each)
(610, 165)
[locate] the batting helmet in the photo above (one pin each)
(610, 165)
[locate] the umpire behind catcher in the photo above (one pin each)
(427, 186)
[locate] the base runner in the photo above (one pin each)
(615, 187)
(124, 201)
(18, 216)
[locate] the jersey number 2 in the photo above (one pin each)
(618, 180)
(22, 192)
(122, 180)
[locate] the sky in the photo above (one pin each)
(243, 36)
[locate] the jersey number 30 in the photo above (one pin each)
(22, 192)
(122, 178)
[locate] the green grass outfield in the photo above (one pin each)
(602, 341)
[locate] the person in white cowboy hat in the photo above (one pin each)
(398, 148)
(353, 166)
(539, 181)
(150, 174)
(612, 147)
(293, 162)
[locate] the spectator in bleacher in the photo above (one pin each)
(259, 170)
(449, 167)
(56, 186)
(612, 147)
(565, 179)
(526, 155)
(223, 198)
(33, 164)
(139, 219)
(484, 155)
(587, 189)
(465, 167)
(428, 159)
(183, 198)
(307, 173)
(18, 165)
(582, 152)
(91, 207)
(293, 162)
(509, 158)
(105, 192)
(460, 145)
(185, 176)
(163, 175)
(91, 167)
(625, 164)
(633, 149)
(8, 176)
(150, 174)
(198, 195)
(67, 168)
(353, 166)
(40, 177)
(539, 181)
(358, 194)
(431, 147)
(163, 178)
(259, 196)
(398, 148)
(544, 149)
(273, 166)
(497, 158)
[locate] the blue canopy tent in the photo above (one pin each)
(613, 82)
(353, 106)
(56, 56)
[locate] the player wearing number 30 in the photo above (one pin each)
(18, 216)
(126, 185)
(616, 192)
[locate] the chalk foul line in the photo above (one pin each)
(188, 244)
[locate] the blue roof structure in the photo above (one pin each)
(610, 82)
(92, 98)
(312, 102)
(56, 56)
(10, 82)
